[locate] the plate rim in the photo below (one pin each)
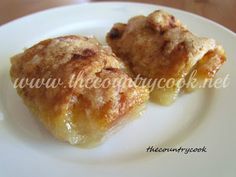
(21, 19)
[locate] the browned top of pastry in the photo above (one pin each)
(63, 58)
(158, 45)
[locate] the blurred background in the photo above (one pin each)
(221, 11)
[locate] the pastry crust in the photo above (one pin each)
(78, 114)
(160, 46)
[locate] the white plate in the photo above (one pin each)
(204, 118)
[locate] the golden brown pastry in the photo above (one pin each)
(160, 48)
(73, 112)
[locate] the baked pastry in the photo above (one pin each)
(80, 113)
(159, 47)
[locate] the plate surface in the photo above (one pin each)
(204, 118)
